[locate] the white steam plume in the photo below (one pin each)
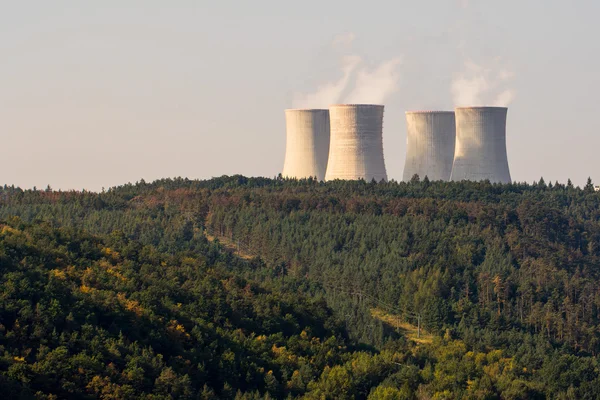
(479, 85)
(369, 86)
(505, 98)
(468, 87)
(331, 92)
(375, 86)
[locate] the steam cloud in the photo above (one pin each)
(331, 92)
(358, 83)
(375, 86)
(479, 85)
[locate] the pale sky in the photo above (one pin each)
(99, 93)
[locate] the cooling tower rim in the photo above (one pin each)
(305, 109)
(481, 108)
(429, 112)
(356, 105)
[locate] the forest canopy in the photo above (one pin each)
(242, 287)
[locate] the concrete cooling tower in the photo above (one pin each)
(356, 149)
(481, 145)
(429, 144)
(307, 144)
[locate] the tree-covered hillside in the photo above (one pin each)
(121, 294)
(84, 317)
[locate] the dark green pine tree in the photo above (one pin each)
(589, 186)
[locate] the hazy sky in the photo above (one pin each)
(99, 93)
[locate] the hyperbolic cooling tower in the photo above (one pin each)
(481, 145)
(356, 150)
(429, 144)
(307, 143)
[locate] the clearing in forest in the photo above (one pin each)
(405, 328)
(229, 246)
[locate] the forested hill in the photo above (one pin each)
(504, 276)
(83, 317)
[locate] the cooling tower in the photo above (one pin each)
(429, 144)
(356, 149)
(307, 143)
(481, 145)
